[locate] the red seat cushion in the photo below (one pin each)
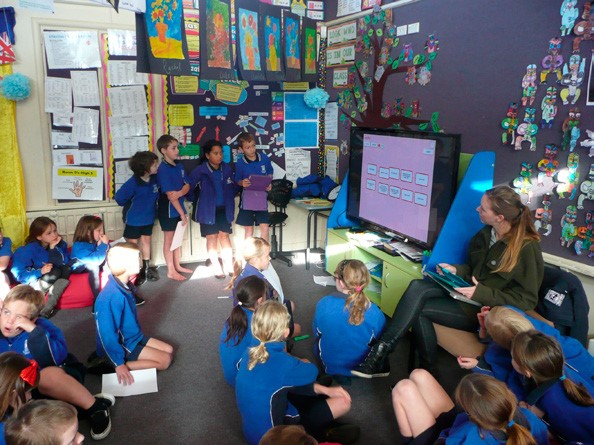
(78, 293)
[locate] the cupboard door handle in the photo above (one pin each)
(386, 279)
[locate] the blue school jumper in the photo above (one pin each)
(30, 258)
(118, 330)
(341, 345)
(139, 200)
(566, 419)
(231, 352)
(89, 254)
(171, 178)
(45, 344)
(262, 392)
(247, 271)
(463, 431)
(203, 177)
(260, 166)
(498, 359)
(6, 247)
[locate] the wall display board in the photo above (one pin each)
(527, 103)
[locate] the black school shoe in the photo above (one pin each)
(152, 274)
(344, 433)
(100, 416)
(138, 300)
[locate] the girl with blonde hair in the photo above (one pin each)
(346, 323)
(271, 383)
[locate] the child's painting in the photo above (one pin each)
(164, 28)
(272, 36)
(248, 38)
(292, 43)
(309, 48)
(217, 31)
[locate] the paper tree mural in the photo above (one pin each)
(379, 59)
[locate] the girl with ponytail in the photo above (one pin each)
(271, 383)
(487, 412)
(237, 335)
(555, 391)
(346, 323)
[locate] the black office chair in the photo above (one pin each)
(279, 196)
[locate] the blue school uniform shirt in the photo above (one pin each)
(139, 200)
(231, 352)
(118, 330)
(28, 260)
(341, 345)
(171, 178)
(566, 419)
(203, 177)
(261, 393)
(6, 247)
(260, 166)
(247, 271)
(463, 431)
(89, 254)
(45, 344)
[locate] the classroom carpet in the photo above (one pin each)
(194, 404)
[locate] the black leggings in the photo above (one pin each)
(47, 280)
(314, 413)
(422, 304)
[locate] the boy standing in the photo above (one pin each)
(36, 338)
(138, 195)
(171, 178)
(252, 163)
(119, 337)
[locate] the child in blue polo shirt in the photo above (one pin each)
(212, 180)
(174, 186)
(252, 163)
(346, 322)
(138, 195)
(269, 378)
(5, 256)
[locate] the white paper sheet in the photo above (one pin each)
(145, 382)
(324, 280)
(331, 119)
(124, 101)
(297, 163)
(63, 119)
(126, 147)
(81, 183)
(72, 49)
(178, 236)
(122, 42)
(86, 125)
(85, 88)
(63, 139)
(58, 95)
(123, 72)
(124, 126)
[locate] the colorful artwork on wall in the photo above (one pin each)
(249, 47)
(163, 25)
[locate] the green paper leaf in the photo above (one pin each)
(379, 32)
(395, 64)
(390, 60)
(401, 57)
(418, 59)
(423, 126)
(396, 42)
(429, 65)
(367, 19)
(353, 114)
(370, 33)
(432, 56)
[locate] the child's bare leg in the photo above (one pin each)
(226, 252)
(264, 231)
(156, 354)
(417, 402)
(339, 406)
(168, 254)
(145, 247)
(213, 253)
(249, 231)
(176, 261)
(55, 383)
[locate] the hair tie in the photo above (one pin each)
(29, 374)
(359, 288)
(239, 303)
(563, 377)
(511, 423)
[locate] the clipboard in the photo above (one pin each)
(448, 283)
(255, 197)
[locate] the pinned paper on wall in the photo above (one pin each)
(226, 92)
(86, 125)
(85, 88)
(71, 49)
(121, 42)
(123, 72)
(123, 126)
(331, 120)
(58, 95)
(82, 183)
(331, 152)
(127, 146)
(297, 164)
(340, 77)
(181, 115)
(185, 85)
(125, 101)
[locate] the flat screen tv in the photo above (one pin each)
(402, 182)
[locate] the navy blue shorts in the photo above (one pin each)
(135, 232)
(249, 217)
(133, 356)
(221, 224)
(168, 224)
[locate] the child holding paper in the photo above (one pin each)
(119, 337)
(212, 182)
(174, 186)
(252, 163)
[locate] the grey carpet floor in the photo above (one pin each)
(194, 404)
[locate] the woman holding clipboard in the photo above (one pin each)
(505, 267)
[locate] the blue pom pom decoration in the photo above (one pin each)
(15, 87)
(316, 98)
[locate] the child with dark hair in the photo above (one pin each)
(44, 262)
(252, 163)
(89, 247)
(139, 195)
(212, 182)
(237, 335)
(174, 186)
(565, 403)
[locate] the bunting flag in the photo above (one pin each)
(6, 52)
(12, 186)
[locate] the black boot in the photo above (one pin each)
(53, 295)
(376, 363)
(141, 277)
